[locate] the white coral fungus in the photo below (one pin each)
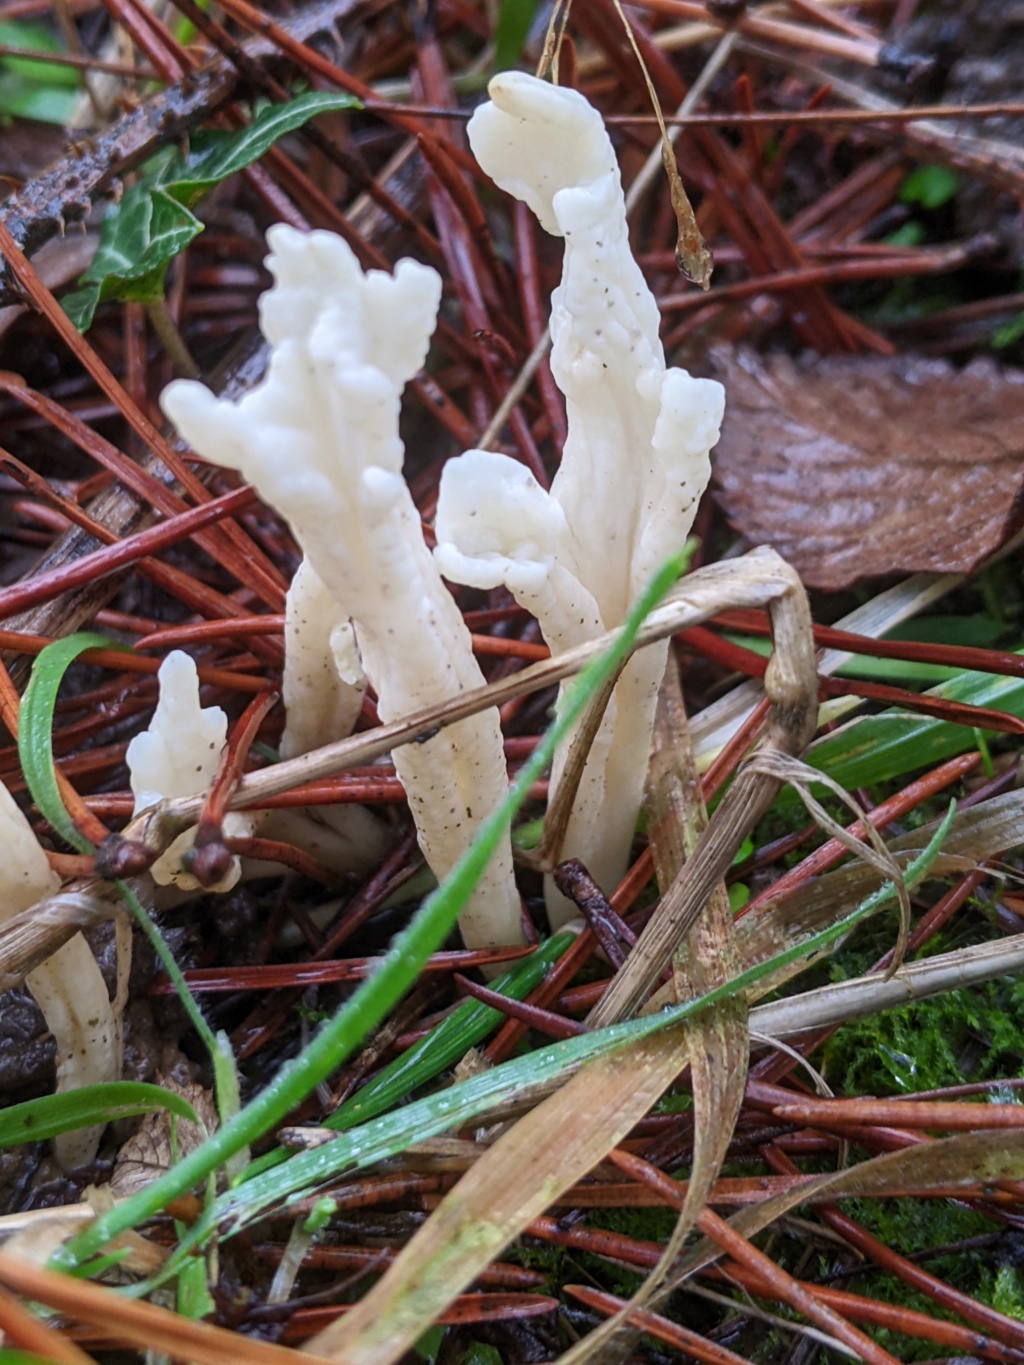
(319, 439)
(177, 755)
(635, 462)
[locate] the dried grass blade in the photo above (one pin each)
(717, 1041)
(692, 255)
(23, 1331)
(973, 836)
(525, 1170)
(963, 1160)
(791, 684)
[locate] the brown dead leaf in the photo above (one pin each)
(857, 467)
(149, 1151)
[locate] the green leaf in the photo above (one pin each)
(30, 88)
(478, 1353)
(907, 234)
(929, 186)
(429, 1344)
(512, 26)
(53, 1114)
(23, 97)
(1009, 334)
(147, 229)
(81, 305)
(35, 729)
(17, 33)
(739, 894)
(216, 155)
(879, 748)
(154, 221)
(194, 1298)
(137, 242)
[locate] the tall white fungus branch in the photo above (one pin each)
(68, 987)
(319, 439)
(634, 465)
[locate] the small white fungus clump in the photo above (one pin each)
(177, 755)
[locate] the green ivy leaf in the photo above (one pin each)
(81, 305)
(216, 155)
(50, 1115)
(154, 221)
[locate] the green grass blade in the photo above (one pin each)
(885, 747)
(452, 1038)
(225, 1079)
(399, 967)
(11, 1355)
(51, 1115)
(35, 749)
(464, 1028)
(35, 729)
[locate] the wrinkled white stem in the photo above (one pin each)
(68, 987)
(323, 686)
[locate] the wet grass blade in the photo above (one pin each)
(451, 1039)
(885, 747)
(35, 749)
(50, 1115)
(35, 730)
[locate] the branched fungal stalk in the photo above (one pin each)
(635, 462)
(319, 439)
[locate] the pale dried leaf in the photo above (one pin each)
(717, 1041)
(148, 1153)
(966, 1159)
(854, 467)
(981, 832)
(516, 1179)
